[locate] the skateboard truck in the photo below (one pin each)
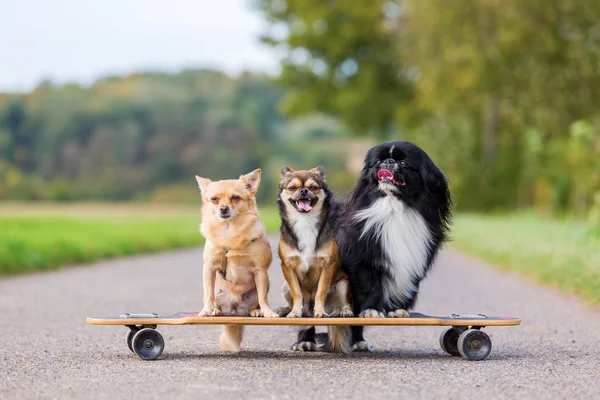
(144, 340)
(473, 316)
(134, 328)
(471, 343)
(127, 315)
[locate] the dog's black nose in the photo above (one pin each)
(224, 209)
(303, 191)
(389, 161)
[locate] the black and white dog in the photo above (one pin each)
(390, 229)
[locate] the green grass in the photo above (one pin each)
(563, 254)
(44, 237)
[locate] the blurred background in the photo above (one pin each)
(125, 101)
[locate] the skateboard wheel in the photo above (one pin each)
(449, 340)
(148, 344)
(129, 339)
(474, 344)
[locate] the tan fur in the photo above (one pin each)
(239, 242)
(231, 338)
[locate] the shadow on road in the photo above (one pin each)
(300, 357)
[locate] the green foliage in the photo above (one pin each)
(339, 59)
(128, 137)
(594, 214)
(502, 94)
(563, 254)
(123, 136)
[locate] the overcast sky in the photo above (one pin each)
(81, 40)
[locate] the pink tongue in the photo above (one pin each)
(384, 173)
(304, 205)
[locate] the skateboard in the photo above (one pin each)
(463, 336)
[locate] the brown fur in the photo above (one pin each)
(310, 257)
(237, 245)
(315, 286)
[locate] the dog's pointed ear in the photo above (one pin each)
(251, 180)
(319, 170)
(202, 183)
(286, 170)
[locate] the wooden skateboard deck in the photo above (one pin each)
(192, 318)
(462, 337)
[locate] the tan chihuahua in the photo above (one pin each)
(237, 254)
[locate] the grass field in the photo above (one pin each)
(42, 237)
(564, 254)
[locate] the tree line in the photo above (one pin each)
(502, 94)
(146, 135)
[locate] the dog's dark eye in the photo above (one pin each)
(314, 188)
(236, 198)
(292, 188)
(214, 199)
(403, 163)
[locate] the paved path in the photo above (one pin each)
(48, 351)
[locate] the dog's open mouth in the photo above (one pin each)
(305, 205)
(385, 175)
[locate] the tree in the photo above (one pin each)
(341, 59)
(471, 81)
(506, 68)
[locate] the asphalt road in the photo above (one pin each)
(48, 351)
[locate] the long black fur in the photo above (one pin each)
(363, 259)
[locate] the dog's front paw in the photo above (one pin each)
(398, 314)
(256, 313)
(362, 346)
(346, 313)
(370, 313)
(304, 346)
(270, 314)
(295, 314)
(204, 313)
(216, 312)
(321, 314)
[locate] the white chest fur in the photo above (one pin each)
(404, 237)
(305, 227)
